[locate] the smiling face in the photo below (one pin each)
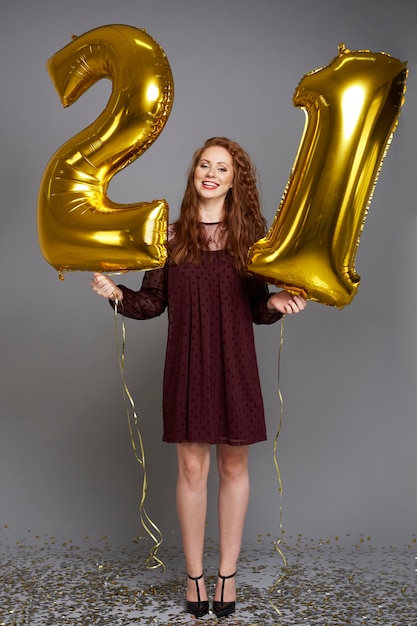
(213, 175)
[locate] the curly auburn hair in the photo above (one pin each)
(244, 222)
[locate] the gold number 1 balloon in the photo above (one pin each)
(79, 227)
(352, 109)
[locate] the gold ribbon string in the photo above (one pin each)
(278, 542)
(153, 561)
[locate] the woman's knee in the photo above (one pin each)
(193, 463)
(232, 461)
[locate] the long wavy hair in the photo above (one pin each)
(243, 222)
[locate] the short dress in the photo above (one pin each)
(211, 390)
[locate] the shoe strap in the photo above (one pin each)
(224, 578)
(196, 579)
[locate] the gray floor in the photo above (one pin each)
(47, 581)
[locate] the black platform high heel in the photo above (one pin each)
(201, 607)
(223, 609)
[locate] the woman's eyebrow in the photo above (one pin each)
(216, 162)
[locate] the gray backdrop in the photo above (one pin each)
(347, 448)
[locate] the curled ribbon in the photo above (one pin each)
(278, 542)
(153, 561)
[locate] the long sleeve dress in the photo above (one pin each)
(211, 390)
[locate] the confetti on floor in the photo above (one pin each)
(51, 582)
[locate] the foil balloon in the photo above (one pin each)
(352, 108)
(79, 227)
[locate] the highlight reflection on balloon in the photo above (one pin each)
(79, 227)
(352, 108)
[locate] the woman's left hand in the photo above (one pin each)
(286, 303)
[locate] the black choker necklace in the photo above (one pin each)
(210, 223)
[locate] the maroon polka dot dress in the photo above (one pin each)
(211, 390)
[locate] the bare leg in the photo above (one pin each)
(232, 464)
(193, 469)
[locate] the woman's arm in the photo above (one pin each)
(269, 308)
(149, 301)
(259, 295)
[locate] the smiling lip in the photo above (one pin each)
(209, 185)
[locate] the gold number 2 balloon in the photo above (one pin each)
(79, 227)
(352, 108)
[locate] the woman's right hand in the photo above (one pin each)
(104, 286)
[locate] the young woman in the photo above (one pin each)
(212, 393)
